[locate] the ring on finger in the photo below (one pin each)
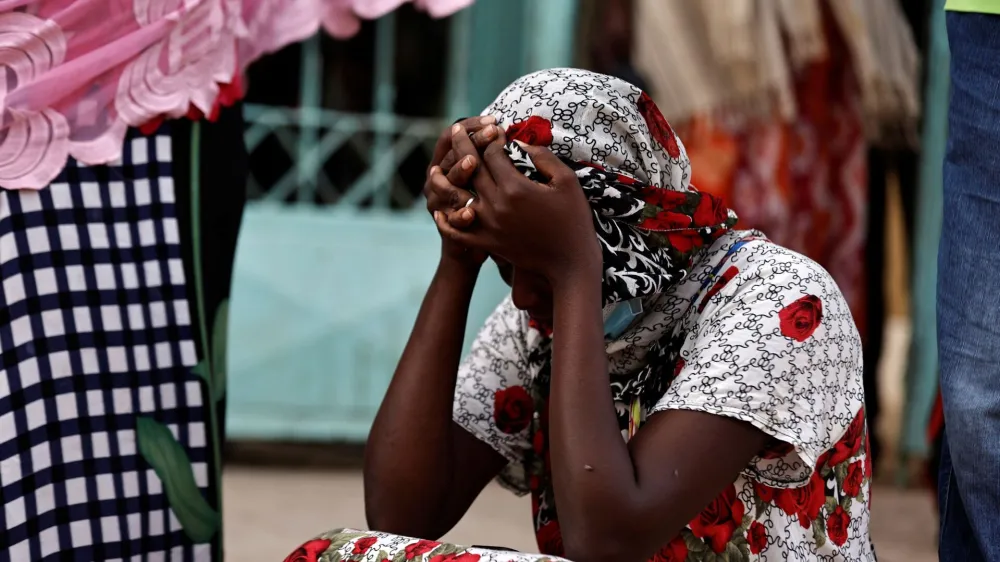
(469, 202)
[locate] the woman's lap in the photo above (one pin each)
(369, 546)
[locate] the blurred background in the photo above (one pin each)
(821, 122)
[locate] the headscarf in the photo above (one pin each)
(650, 222)
(632, 167)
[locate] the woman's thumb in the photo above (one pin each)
(544, 160)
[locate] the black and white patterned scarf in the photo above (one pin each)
(650, 222)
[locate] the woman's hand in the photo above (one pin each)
(546, 228)
(451, 169)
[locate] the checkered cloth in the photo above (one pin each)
(95, 329)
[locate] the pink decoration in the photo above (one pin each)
(80, 72)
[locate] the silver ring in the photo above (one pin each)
(469, 202)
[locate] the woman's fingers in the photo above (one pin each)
(443, 196)
(548, 163)
(462, 237)
(481, 134)
(461, 173)
(462, 218)
(463, 146)
(443, 145)
(499, 164)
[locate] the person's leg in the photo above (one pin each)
(969, 290)
(957, 541)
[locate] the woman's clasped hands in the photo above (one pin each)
(546, 228)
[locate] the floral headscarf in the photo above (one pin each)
(633, 168)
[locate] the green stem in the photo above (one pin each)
(199, 291)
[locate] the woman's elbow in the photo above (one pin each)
(397, 522)
(388, 516)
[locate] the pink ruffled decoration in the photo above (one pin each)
(342, 18)
(76, 74)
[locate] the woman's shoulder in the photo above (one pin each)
(760, 269)
(758, 288)
(763, 257)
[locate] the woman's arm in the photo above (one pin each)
(412, 484)
(617, 501)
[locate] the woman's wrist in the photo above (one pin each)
(463, 270)
(576, 278)
(584, 269)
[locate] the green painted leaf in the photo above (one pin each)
(214, 370)
(831, 504)
(711, 556)
(819, 533)
(332, 534)
(220, 331)
(158, 446)
(341, 540)
(733, 554)
(693, 543)
(841, 472)
(845, 502)
(744, 550)
(202, 370)
(761, 507)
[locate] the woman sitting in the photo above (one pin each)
(663, 386)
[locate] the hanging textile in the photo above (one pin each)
(922, 369)
(777, 100)
(81, 72)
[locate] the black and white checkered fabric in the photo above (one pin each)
(95, 329)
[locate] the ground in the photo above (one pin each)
(271, 511)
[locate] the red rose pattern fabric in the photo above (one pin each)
(350, 545)
(756, 537)
(794, 372)
(310, 551)
(719, 520)
(512, 409)
(801, 318)
(808, 493)
(534, 130)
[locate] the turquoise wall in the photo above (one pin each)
(324, 297)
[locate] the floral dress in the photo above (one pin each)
(760, 334)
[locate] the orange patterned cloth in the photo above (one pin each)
(803, 182)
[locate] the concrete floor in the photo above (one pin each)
(269, 512)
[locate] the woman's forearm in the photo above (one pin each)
(407, 458)
(592, 469)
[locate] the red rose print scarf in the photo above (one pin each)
(631, 165)
(650, 222)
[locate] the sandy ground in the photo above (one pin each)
(269, 512)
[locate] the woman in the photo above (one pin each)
(664, 388)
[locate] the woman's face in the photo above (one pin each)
(529, 291)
